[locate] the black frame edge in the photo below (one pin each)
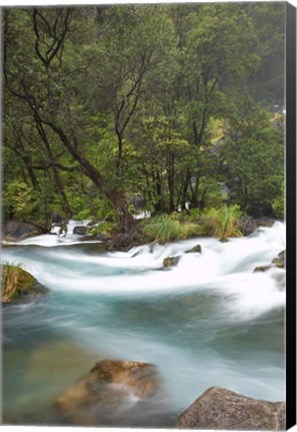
(291, 215)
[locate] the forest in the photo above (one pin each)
(172, 109)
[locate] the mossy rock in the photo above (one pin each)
(17, 284)
(171, 261)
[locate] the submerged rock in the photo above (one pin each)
(171, 261)
(110, 386)
(17, 284)
(17, 231)
(220, 408)
(195, 249)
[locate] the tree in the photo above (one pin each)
(253, 159)
(45, 46)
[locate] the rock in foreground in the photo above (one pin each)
(220, 408)
(110, 388)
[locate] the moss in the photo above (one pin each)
(17, 283)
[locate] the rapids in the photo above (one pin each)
(208, 321)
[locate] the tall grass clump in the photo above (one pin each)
(168, 227)
(222, 222)
(163, 228)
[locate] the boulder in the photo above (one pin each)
(279, 261)
(17, 284)
(80, 230)
(247, 225)
(171, 261)
(195, 249)
(106, 388)
(264, 221)
(220, 408)
(17, 231)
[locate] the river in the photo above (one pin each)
(208, 321)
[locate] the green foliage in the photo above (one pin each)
(253, 160)
(19, 201)
(278, 205)
(221, 222)
(159, 100)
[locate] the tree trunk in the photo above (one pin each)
(126, 221)
(60, 189)
(171, 182)
(159, 207)
(184, 194)
(120, 151)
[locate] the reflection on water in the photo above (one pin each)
(208, 321)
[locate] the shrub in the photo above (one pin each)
(221, 222)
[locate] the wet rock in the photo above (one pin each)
(279, 261)
(247, 225)
(17, 284)
(195, 249)
(108, 387)
(220, 408)
(264, 221)
(261, 269)
(171, 261)
(80, 230)
(224, 240)
(17, 231)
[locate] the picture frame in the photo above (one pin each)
(157, 136)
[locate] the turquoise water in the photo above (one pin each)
(208, 321)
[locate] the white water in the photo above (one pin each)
(208, 321)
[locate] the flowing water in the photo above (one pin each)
(210, 321)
